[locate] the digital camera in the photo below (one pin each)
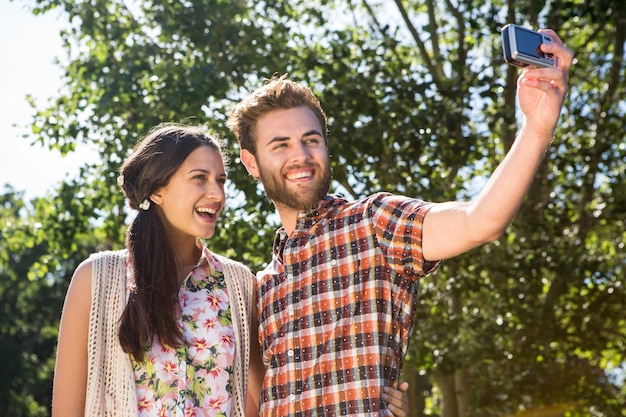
(522, 47)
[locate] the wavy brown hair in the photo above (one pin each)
(279, 93)
(152, 307)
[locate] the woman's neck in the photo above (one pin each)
(187, 258)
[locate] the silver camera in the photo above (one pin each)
(522, 47)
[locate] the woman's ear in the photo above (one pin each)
(157, 196)
(249, 161)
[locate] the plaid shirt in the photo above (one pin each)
(337, 306)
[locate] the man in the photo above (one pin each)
(337, 302)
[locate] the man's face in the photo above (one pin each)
(292, 158)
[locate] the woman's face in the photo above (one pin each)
(194, 196)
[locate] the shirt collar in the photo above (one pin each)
(206, 257)
(323, 207)
(308, 218)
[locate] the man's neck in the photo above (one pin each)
(288, 217)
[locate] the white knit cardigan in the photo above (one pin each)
(110, 381)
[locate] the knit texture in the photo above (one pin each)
(110, 380)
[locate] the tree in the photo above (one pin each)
(34, 261)
(421, 103)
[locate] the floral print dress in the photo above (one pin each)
(195, 379)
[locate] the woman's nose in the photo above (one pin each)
(215, 191)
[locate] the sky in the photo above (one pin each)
(29, 45)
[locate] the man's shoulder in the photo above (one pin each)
(382, 203)
(365, 201)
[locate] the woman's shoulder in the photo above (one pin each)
(234, 267)
(224, 260)
(81, 282)
(78, 297)
(110, 255)
(106, 267)
(82, 275)
(84, 271)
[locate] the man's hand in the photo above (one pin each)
(397, 399)
(541, 91)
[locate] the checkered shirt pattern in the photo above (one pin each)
(337, 306)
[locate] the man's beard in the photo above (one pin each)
(277, 191)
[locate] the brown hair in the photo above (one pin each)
(277, 93)
(152, 306)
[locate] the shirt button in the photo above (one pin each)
(290, 277)
(291, 310)
(290, 353)
(292, 397)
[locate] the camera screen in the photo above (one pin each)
(528, 42)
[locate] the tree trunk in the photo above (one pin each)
(461, 381)
(419, 389)
(449, 400)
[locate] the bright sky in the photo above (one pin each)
(29, 45)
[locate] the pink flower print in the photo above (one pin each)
(199, 274)
(190, 412)
(222, 361)
(198, 311)
(227, 338)
(226, 342)
(145, 402)
(215, 264)
(224, 339)
(166, 370)
(217, 372)
(163, 350)
(162, 357)
(196, 301)
(216, 404)
(183, 298)
(199, 348)
(167, 406)
(210, 324)
(218, 300)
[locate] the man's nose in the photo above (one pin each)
(299, 153)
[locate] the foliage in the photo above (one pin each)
(38, 252)
(420, 103)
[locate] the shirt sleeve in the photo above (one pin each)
(397, 224)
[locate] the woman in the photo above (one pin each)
(164, 327)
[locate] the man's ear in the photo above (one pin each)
(249, 161)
